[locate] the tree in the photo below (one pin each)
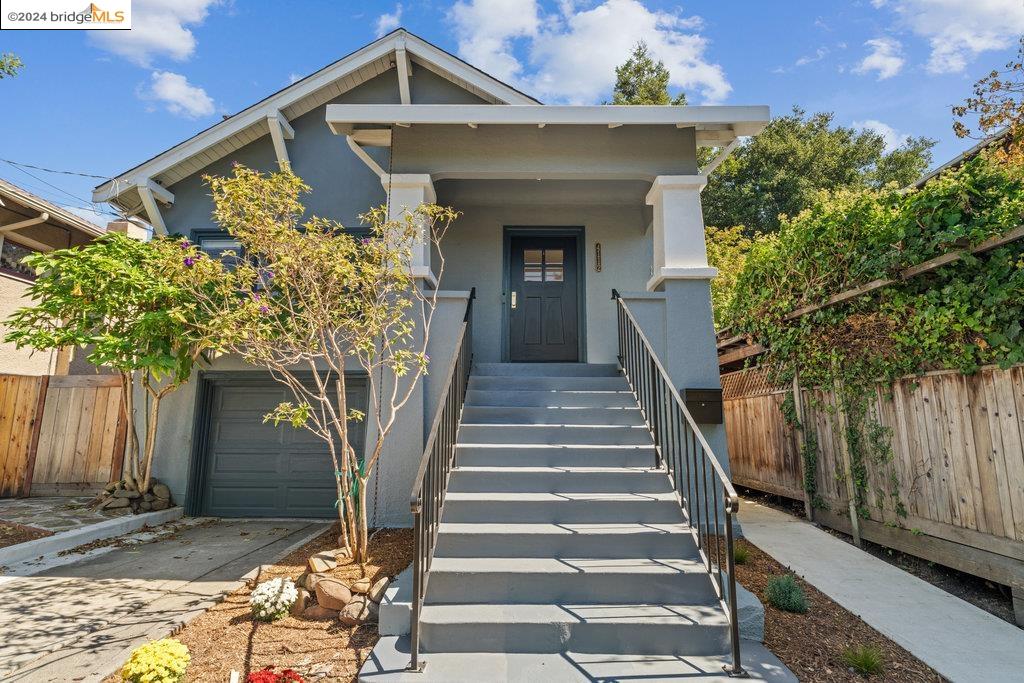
(10, 64)
(727, 251)
(998, 103)
(641, 80)
(780, 170)
(127, 302)
(306, 301)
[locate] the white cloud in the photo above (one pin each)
(885, 57)
(485, 30)
(958, 30)
(571, 56)
(178, 95)
(893, 138)
(160, 28)
(387, 23)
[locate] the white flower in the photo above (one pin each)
(272, 599)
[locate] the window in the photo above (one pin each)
(11, 254)
(214, 243)
(543, 265)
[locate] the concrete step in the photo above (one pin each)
(562, 508)
(608, 540)
(565, 435)
(390, 657)
(551, 398)
(626, 416)
(539, 455)
(518, 580)
(526, 383)
(662, 629)
(559, 480)
(546, 369)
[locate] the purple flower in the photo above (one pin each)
(185, 244)
(365, 240)
(269, 274)
(264, 310)
(426, 358)
(190, 261)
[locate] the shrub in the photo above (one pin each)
(866, 660)
(161, 661)
(272, 599)
(268, 675)
(784, 593)
(741, 554)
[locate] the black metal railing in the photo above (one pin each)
(431, 482)
(706, 495)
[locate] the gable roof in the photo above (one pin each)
(250, 124)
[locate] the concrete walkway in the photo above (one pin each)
(79, 621)
(960, 641)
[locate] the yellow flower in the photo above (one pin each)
(161, 661)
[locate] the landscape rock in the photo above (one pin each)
(322, 562)
(355, 612)
(113, 503)
(332, 594)
(377, 592)
(145, 506)
(301, 602)
(373, 612)
(361, 586)
(342, 553)
(312, 580)
(161, 504)
(112, 486)
(162, 491)
(318, 612)
(127, 493)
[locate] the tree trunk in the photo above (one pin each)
(151, 424)
(128, 400)
(362, 556)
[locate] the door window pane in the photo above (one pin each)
(533, 267)
(553, 265)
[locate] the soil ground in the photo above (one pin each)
(983, 594)
(226, 637)
(12, 533)
(812, 644)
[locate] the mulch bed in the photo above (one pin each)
(812, 644)
(12, 533)
(226, 637)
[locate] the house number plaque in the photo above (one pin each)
(597, 257)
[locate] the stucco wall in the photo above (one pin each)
(12, 360)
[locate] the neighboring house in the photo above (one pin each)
(560, 204)
(29, 224)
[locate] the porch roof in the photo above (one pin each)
(715, 125)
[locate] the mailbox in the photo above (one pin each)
(705, 405)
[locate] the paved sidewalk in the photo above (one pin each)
(53, 513)
(79, 621)
(960, 641)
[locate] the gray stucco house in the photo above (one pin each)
(561, 205)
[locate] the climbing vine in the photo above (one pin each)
(960, 316)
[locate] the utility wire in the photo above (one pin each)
(52, 170)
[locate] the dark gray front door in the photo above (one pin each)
(543, 307)
(254, 469)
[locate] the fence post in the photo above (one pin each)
(801, 439)
(844, 452)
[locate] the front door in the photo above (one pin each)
(543, 308)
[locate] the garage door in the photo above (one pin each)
(256, 469)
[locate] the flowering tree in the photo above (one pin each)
(306, 300)
(125, 301)
(998, 103)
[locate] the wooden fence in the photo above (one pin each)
(60, 435)
(945, 473)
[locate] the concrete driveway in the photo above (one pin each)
(78, 622)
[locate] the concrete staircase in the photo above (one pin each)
(561, 543)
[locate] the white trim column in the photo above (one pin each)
(406, 192)
(680, 252)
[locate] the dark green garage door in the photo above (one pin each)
(254, 469)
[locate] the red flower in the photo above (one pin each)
(267, 675)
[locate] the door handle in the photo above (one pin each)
(513, 298)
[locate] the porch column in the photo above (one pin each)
(679, 248)
(407, 191)
(681, 271)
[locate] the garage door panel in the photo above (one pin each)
(259, 469)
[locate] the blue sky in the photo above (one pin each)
(100, 102)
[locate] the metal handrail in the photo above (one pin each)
(682, 450)
(431, 482)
